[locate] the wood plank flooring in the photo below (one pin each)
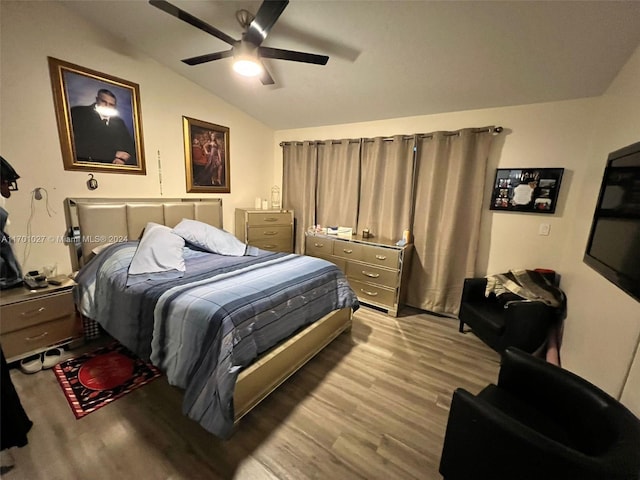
(372, 405)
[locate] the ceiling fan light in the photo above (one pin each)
(247, 67)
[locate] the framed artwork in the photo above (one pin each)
(206, 152)
(98, 119)
(526, 189)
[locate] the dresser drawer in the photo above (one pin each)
(373, 293)
(37, 336)
(257, 234)
(385, 257)
(273, 244)
(348, 250)
(318, 246)
(269, 218)
(370, 273)
(33, 312)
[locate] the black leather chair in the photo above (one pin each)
(539, 422)
(508, 321)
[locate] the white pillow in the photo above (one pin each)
(210, 238)
(158, 256)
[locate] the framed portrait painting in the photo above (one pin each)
(99, 120)
(206, 151)
(532, 190)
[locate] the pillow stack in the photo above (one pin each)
(160, 255)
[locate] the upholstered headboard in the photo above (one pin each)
(98, 221)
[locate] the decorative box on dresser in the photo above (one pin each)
(376, 269)
(266, 229)
(32, 321)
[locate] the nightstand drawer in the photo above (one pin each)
(373, 293)
(273, 244)
(369, 273)
(348, 250)
(259, 234)
(38, 336)
(268, 218)
(33, 312)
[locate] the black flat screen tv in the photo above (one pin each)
(613, 249)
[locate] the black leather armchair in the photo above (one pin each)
(539, 422)
(503, 323)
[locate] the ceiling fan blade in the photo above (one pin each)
(265, 76)
(268, 13)
(277, 53)
(190, 19)
(209, 57)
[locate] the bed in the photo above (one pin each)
(230, 328)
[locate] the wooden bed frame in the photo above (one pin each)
(105, 220)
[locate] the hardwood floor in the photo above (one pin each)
(372, 405)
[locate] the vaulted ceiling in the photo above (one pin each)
(391, 59)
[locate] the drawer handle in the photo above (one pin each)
(270, 219)
(269, 246)
(33, 313)
(347, 250)
(318, 245)
(37, 337)
(270, 233)
(369, 274)
(381, 257)
(371, 294)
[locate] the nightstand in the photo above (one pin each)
(266, 229)
(32, 321)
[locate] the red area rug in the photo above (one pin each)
(96, 379)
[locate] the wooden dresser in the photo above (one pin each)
(266, 229)
(376, 270)
(32, 321)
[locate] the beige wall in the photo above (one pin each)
(604, 328)
(603, 323)
(31, 31)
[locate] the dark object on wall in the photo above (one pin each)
(8, 175)
(539, 422)
(613, 249)
(506, 320)
(532, 190)
(92, 183)
(10, 272)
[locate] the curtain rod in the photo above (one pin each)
(495, 130)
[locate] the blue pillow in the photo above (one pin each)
(210, 238)
(159, 255)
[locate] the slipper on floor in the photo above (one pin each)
(51, 358)
(31, 364)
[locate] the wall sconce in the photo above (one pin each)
(92, 183)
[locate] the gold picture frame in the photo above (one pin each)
(206, 153)
(98, 118)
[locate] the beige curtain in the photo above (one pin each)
(338, 180)
(449, 186)
(385, 187)
(299, 187)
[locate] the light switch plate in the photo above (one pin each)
(544, 229)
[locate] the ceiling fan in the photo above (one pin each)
(248, 52)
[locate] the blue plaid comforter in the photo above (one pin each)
(204, 328)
